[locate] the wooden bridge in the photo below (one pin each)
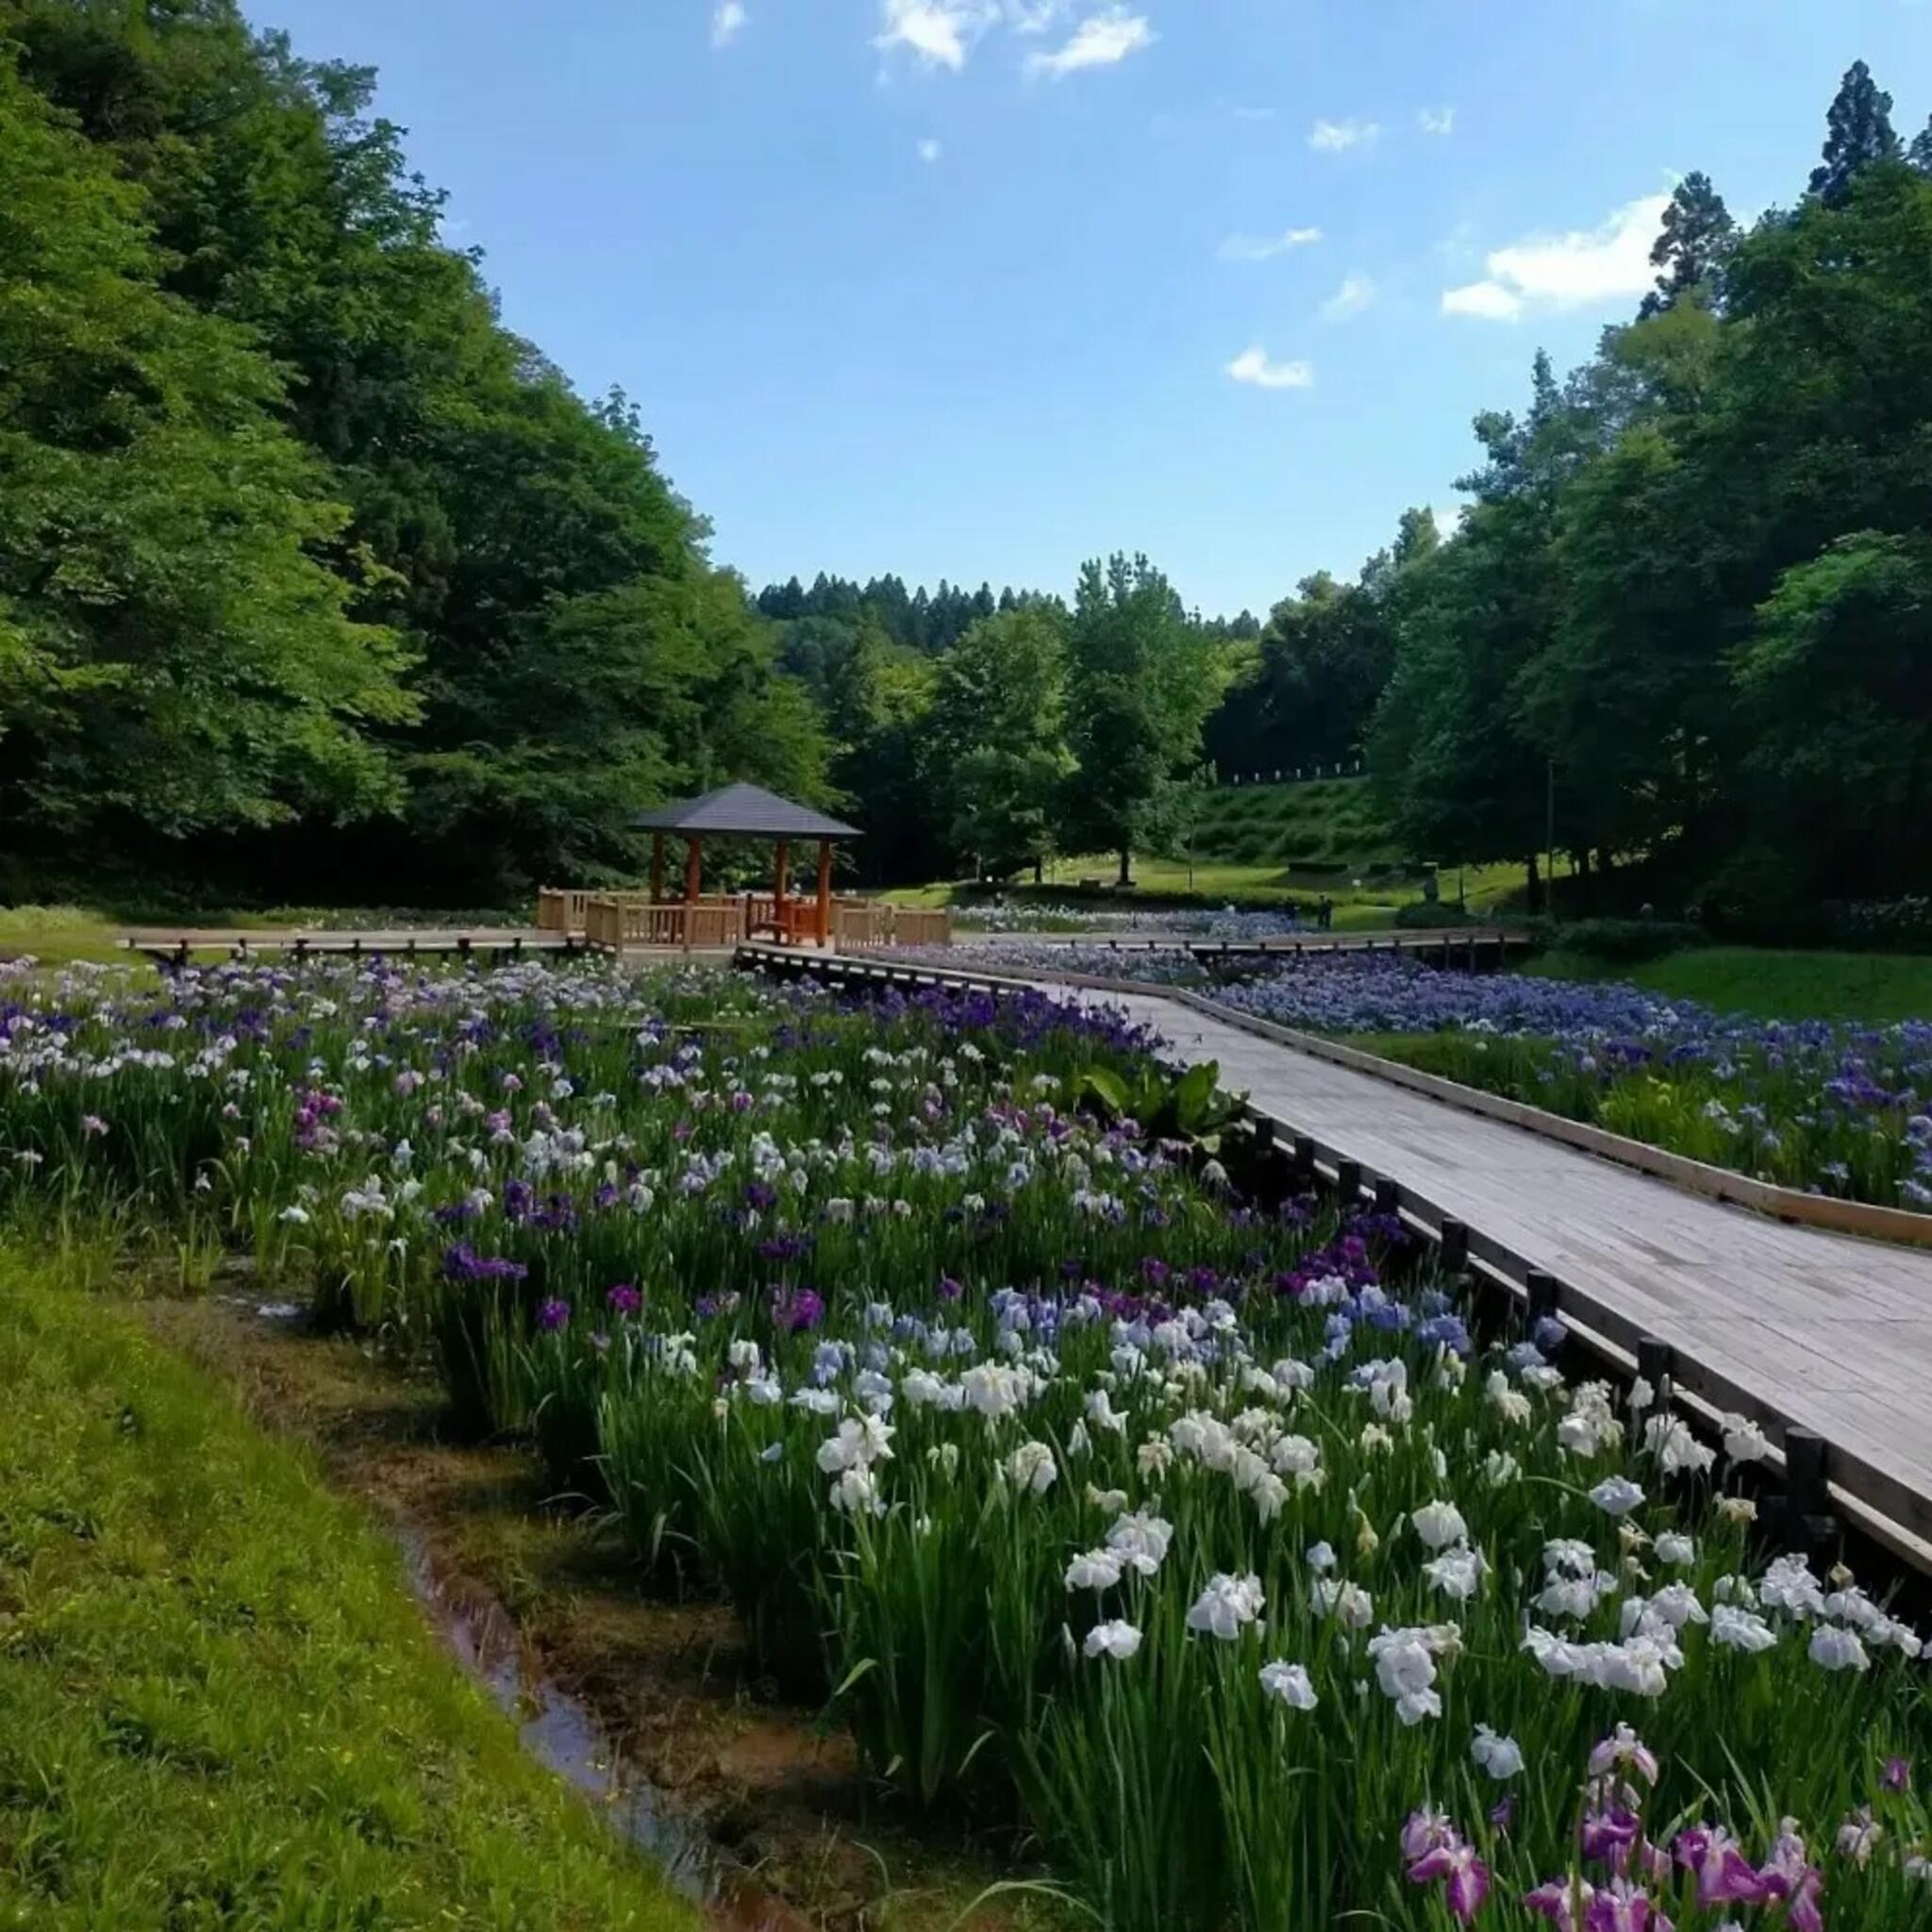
(1822, 1338)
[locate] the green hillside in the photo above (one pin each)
(1322, 825)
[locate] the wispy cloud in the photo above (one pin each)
(1103, 39)
(930, 151)
(1448, 518)
(1266, 247)
(1436, 120)
(1355, 294)
(941, 33)
(1337, 137)
(1253, 367)
(727, 21)
(1582, 268)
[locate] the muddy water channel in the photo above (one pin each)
(649, 1705)
(561, 1732)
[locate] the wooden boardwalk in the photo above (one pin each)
(1794, 1325)
(1801, 1328)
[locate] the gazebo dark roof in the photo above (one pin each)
(744, 811)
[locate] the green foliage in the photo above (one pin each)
(222, 644)
(998, 737)
(1187, 1106)
(171, 650)
(1619, 941)
(1688, 608)
(1305, 695)
(1141, 680)
(218, 1703)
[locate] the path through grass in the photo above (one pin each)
(219, 1706)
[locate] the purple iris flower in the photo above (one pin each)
(552, 1315)
(624, 1299)
(1562, 1901)
(1608, 1835)
(797, 1309)
(1724, 1875)
(1464, 1877)
(1897, 1775)
(1620, 1907)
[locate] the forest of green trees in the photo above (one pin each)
(315, 578)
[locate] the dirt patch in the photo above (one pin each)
(671, 1691)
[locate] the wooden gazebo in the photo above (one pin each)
(748, 811)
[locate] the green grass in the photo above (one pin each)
(58, 935)
(1875, 987)
(219, 1706)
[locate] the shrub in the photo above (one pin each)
(1624, 941)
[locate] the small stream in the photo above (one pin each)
(561, 1734)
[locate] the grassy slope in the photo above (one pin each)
(1877, 987)
(1261, 845)
(219, 1706)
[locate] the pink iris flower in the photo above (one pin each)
(1624, 1747)
(1724, 1875)
(1562, 1901)
(1607, 1836)
(1789, 1875)
(1424, 1832)
(1620, 1907)
(1466, 1878)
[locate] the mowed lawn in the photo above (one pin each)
(218, 1705)
(1773, 983)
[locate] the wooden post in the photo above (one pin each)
(693, 872)
(825, 908)
(656, 868)
(783, 867)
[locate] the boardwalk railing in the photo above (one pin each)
(619, 920)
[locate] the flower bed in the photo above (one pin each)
(1831, 1107)
(1827, 1107)
(1210, 1542)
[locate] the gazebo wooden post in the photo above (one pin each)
(825, 906)
(656, 868)
(693, 883)
(783, 867)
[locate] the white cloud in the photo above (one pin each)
(1355, 294)
(1334, 137)
(1252, 366)
(1034, 16)
(940, 32)
(727, 21)
(930, 151)
(1490, 300)
(1582, 268)
(1266, 247)
(1101, 40)
(1436, 120)
(1448, 518)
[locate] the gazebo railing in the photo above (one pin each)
(562, 908)
(619, 920)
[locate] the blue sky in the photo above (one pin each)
(974, 289)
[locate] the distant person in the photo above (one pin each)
(1324, 913)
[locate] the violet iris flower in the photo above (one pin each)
(1562, 1901)
(1465, 1877)
(1724, 1875)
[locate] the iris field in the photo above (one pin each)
(1107, 1495)
(1832, 1107)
